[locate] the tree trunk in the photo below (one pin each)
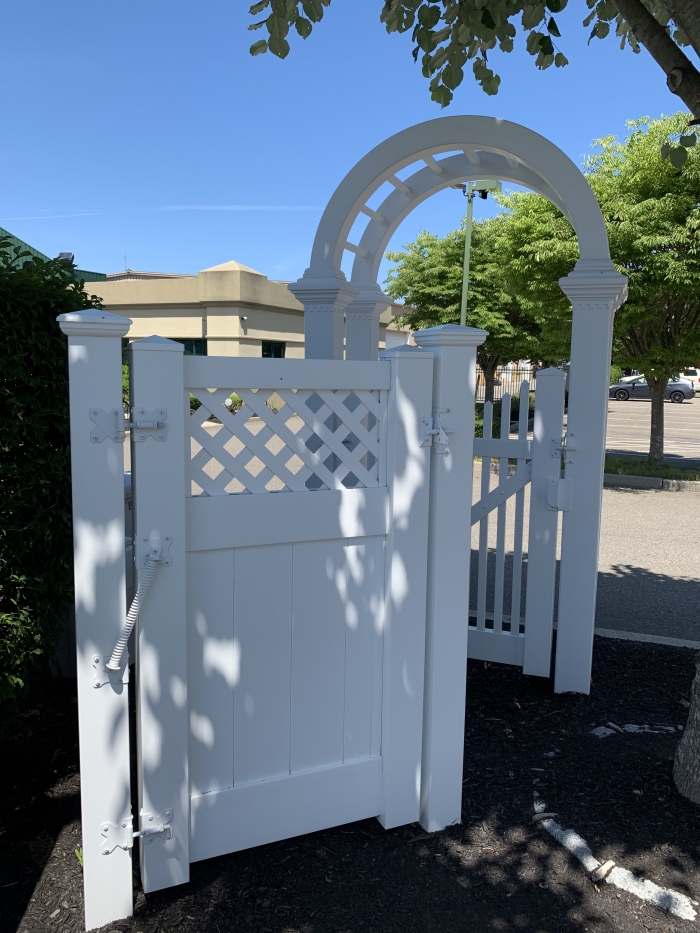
(682, 77)
(686, 765)
(489, 365)
(686, 15)
(657, 390)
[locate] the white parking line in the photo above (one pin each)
(677, 904)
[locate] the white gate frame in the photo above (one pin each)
(498, 149)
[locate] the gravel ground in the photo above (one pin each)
(496, 872)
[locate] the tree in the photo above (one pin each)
(428, 276)
(449, 33)
(36, 547)
(652, 214)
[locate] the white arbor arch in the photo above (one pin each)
(342, 318)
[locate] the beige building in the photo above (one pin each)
(228, 310)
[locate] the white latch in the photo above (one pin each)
(143, 424)
(102, 675)
(559, 495)
(435, 434)
(122, 835)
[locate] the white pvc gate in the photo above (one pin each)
(276, 650)
(301, 653)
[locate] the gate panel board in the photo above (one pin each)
(262, 624)
(363, 648)
(318, 654)
(212, 668)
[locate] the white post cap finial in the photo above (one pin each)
(93, 323)
(450, 335)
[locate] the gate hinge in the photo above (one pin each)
(146, 549)
(121, 835)
(143, 424)
(562, 448)
(559, 495)
(434, 434)
(102, 675)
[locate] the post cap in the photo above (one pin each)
(550, 372)
(450, 335)
(93, 323)
(159, 344)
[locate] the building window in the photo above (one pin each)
(195, 347)
(273, 349)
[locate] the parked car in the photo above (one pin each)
(677, 390)
(693, 377)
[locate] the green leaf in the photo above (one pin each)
(552, 28)
(560, 60)
(313, 10)
(303, 27)
(665, 152)
(601, 29)
(546, 47)
(441, 95)
(556, 6)
(258, 7)
(258, 47)
(452, 76)
(688, 141)
(257, 25)
(429, 16)
(487, 20)
(278, 47)
(532, 43)
(678, 157)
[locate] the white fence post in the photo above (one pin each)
(449, 549)
(325, 299)
(159, 490)
(408, 478)
(542, 538)
(97, 466)
(596, 290)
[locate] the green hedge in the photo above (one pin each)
(36, 551)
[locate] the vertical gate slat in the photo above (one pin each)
(499, 581)
(211, 668)
(262, 618)
(516, 591)
(318, 654)
(364, 567)
(482, 579)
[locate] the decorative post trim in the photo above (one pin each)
(596, 290)
(94, 369)
(362, 324)
(325, 298)
(449, 547)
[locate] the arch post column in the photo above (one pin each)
(596, 290)
(325, 298)
(362, 324)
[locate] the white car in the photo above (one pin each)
(692, 375)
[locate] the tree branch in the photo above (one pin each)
(686, 15)
(682, 77)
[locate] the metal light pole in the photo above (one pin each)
(481, 188)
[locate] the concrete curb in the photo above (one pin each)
(650, 482)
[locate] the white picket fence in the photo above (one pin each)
(301, 653)
(498, 632)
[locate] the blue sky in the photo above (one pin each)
(146, 130)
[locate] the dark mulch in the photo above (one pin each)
(495, 872)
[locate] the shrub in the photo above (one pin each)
(36, 548)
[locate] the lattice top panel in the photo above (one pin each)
(286, 440)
